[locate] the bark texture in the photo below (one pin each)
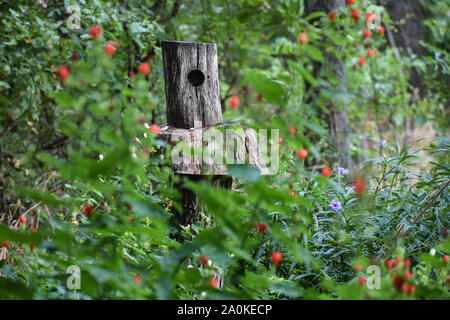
(408, 17)
(229, 145)
(192, 95)
(410, 33)
(338, 119)
(192, 84)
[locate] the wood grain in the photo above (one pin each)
(187, 103)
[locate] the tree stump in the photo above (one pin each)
(192, 84)
(193, 109)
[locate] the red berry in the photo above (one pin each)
(359, 186)
(154, 128)
(350, 2)
(260, 97)
(398, 282)
(411, 289)
(204, 260)
(446, 258)
(63, 72)
(88, 210)
(280, 141)
(32, 246)
(130, 219)
(4, 244)
(22, 219)
(33, 230)
(137, 278)
(262, 227)
(408, 275)
(302, 154)
(213, 282)
(326, 172)
(95, 31)
(235, 102)
(355, 14)
(370, 17)
(367, 34)
(332, 16)
(276, 257)
(389, 263)
(144, 68)
(292, 130)
(289, 175)
(371, 53)
(169, 205)
(110, 49)
(362, 281)
(408, 288)
(398, 261)
(407, 262)
(302, 38)
(362, 61)
(381, 30)
(358, 268)
(405, 287)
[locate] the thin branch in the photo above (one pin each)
(175, 9)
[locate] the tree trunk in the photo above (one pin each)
(408, 35)
(338, 120)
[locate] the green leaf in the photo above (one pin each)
(314, 53)
(272, 90)
(244, 171)
(4, 84)
(303, 72)
(314, 15)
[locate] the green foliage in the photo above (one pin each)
(68, 146)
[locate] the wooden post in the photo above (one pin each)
(192, 95)
(192, 84)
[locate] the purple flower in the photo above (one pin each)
(381, 143)
(342, 171)
(335, 206)
(394, 167)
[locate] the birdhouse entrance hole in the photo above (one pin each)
(196, 78)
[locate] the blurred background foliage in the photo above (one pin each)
(78, 162)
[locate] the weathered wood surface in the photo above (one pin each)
(192, 84)
(192, 96)
(211, 156)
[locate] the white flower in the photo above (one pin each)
(145, 135)
(432, 252)
(134, 155)
(100, 156)
(146, 125)
(209, 263)
(190, 266)
(203, 294)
